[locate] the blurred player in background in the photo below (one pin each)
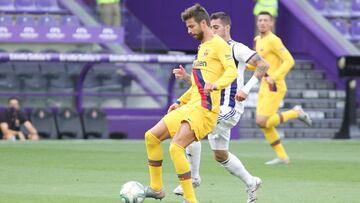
(230, 110)
(273, 87)
(110, 12)
(270, 6)
(196, 112)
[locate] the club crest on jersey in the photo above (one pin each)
(206, 52)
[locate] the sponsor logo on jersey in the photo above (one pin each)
(199, 64)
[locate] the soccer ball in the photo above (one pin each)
(132, 192)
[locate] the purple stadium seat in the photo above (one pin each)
(7, 5)
(70, 20)
(338, 8)
(25, 20)
(318, 5)
(355, 29)
(48, 20)
(342, 26)
(47, 5)
(355, 7)
(25, 5)
(6, 21)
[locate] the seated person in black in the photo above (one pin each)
(11, 120)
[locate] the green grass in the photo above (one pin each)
(93, 171)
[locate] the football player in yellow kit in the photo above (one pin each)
(196, 112)
(273, 87)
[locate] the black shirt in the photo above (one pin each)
(14, 118)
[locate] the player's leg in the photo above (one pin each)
(266, 107)
(295, 113)
(184, 136)
(153, 138)
(219, 142)
(193, 153)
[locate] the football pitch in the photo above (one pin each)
(93, 171)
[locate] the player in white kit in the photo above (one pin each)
(231, 110)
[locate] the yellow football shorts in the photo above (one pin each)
(269, 98)
(201, 120)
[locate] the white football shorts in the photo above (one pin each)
(219, 138)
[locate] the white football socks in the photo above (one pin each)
(193, 152)
(235, 167)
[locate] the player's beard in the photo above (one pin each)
(199, 36)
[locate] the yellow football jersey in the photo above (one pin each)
(213, 64)
(275, 53)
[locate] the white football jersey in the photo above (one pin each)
(241, 54)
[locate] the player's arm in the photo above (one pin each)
(249, 66)
(181, 74)
(287, 60)
(261, 66)
(230, 72)
(260, 71)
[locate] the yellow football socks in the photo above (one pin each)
(182, 167)
(273, 138)
(282, 117)
(155, 157)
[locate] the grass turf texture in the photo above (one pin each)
(93, 171)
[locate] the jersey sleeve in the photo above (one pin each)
(226, 59)
(242, 52)
(287, 60)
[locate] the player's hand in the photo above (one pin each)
(208, 88)
(269, 80)
(179, 72)
(173, 107)
(240, 96)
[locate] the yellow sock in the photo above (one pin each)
(282, 117)
(182, 167)
(273, 138)
(155, 157)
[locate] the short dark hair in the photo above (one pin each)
(265, 13)
(225, 18)
(13, 98)
(197, 12)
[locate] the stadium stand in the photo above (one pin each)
(69, 124)
(343, 15)
(44, 121)
(95, 124)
